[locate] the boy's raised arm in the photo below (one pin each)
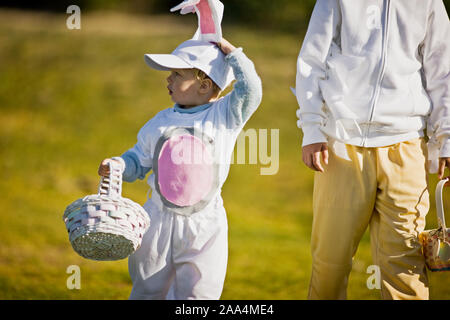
(247, 91)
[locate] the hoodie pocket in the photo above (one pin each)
(420, 99)
(347, 86)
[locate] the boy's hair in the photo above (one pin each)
(200, 75)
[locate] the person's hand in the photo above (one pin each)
(103, 169)
(225, 46)
(443, 162)
(311, 155)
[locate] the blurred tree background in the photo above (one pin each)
(279, 15)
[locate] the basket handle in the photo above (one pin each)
(440, 205)
(111, 185)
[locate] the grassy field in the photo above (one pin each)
(69, 98)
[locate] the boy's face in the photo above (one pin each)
(184, 88)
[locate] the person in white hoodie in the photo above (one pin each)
(188, 148)
(373, 89)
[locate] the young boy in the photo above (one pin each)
(189, 146)
(372, 75)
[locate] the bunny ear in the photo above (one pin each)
(186, 6)
(189, 9)
(209, 13)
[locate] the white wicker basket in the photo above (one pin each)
(106, 226)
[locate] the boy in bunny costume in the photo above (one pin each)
(188, 147)
(371, 77)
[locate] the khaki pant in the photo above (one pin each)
(384, 188)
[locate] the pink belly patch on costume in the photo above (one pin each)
(185, 170)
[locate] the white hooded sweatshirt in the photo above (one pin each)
(374, 73)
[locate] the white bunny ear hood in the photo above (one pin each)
(209, 13)
(200, 52)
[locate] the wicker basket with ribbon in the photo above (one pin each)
(436, 242)
(106, 226)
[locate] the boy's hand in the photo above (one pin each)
(311, 155)
(103, 169)
(443, 162)
(225, 46)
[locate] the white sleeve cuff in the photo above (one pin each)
(436, 151)
(445, 149)
(313, 134)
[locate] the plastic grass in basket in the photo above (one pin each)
(106, 226)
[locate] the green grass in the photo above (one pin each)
(69, 98)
